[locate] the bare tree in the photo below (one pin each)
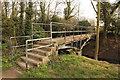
(69, 10)
(6, 4)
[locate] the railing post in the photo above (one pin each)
(26, 56)
(32, 33)
(80, 43)
(51, 31)
(65, 33)
(78, 34)
(73, 36)
(11, 50)
(69, 30)
(81, 30)
(73, 32)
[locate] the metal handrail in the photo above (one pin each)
(20, 46)
(67, 31)
(11, 46)
(34, 48)
(61, 23)
(74, 29)
(20, 36)
(40, 24)
(38, 39)
(41, 31)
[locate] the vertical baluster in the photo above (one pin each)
(51, 31)
(26, 56)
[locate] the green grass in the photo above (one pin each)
(73, 66)
(7, 63)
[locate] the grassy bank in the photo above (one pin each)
(73, 66)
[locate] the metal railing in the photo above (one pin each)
(73, 29)
(12, 46)
(34, 48)
(65, 29)
(36, 32)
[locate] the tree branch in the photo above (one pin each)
(93, 6)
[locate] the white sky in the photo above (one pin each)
(86, 9)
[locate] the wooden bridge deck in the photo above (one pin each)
(61, 40)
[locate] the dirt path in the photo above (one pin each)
(12, 73)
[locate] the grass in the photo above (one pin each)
(73, 66)
(7, 63)
(6, 57)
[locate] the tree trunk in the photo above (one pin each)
(97, 33)
(6, 8)
(116, 32)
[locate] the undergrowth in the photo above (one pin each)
(7, 62)
(73, 66)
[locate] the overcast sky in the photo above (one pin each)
(86, 8)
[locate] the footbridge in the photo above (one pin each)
(46, 39)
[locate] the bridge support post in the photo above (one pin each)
(80, 53)
(54, 52)
(56, 49)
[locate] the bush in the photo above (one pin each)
(38, 28)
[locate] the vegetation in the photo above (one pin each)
(28, 20)
(23, 14)
(7, 62)
(73, 66)
(17, 18)
(108, 16)
(107, 11)
(68, 10)
(84, 23)
(42, 8)
(22, 28)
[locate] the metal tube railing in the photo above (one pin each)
(33, 48)
(20, 36)
(41, 32)
(40, 24)
(11, 50)
(11, 46)
(67, 31)
(51, 31)
(32, 33)
(60, 23)
(20, 46)
(72, 29)
(26, 56)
